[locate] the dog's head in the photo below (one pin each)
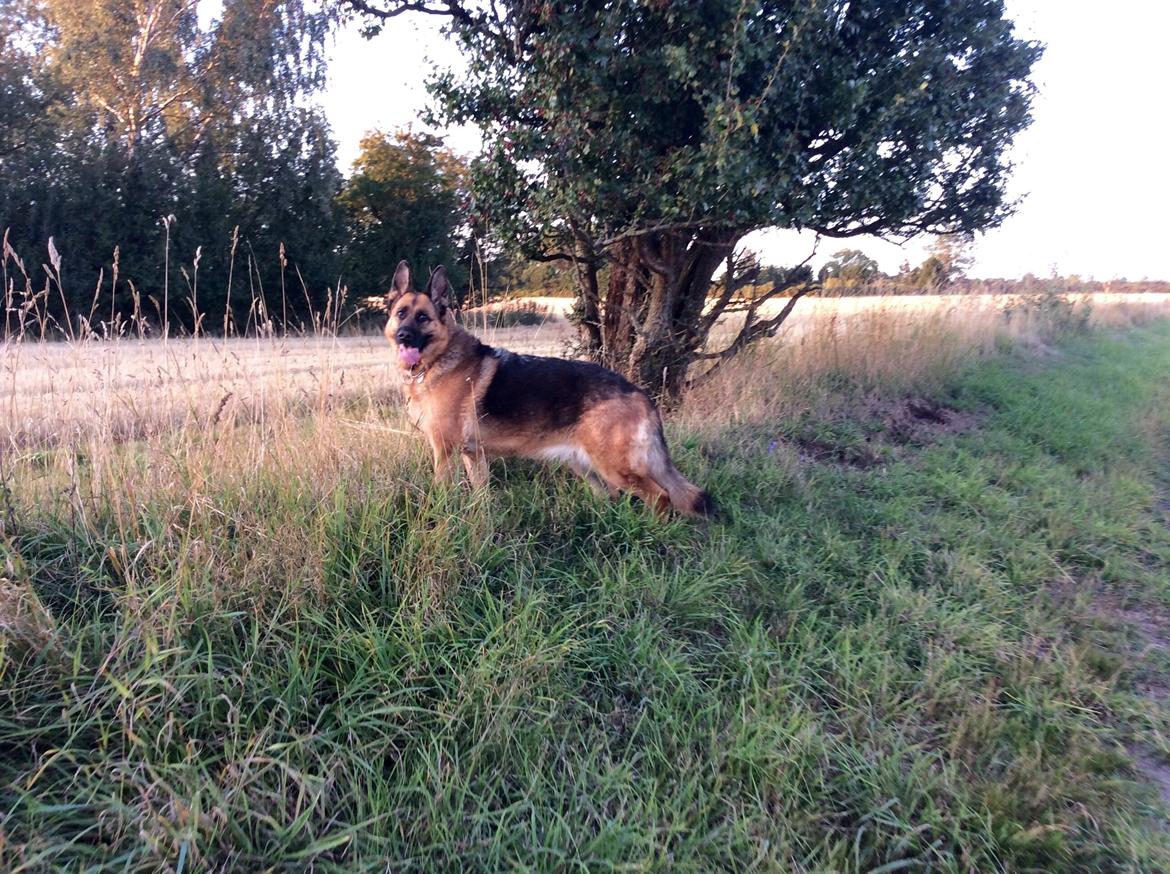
(418, 324)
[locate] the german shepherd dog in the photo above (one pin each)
(482, 403)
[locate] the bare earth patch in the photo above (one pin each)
(891, 424)
(917, 421)
(1154, 770)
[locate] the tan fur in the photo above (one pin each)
(615, 444)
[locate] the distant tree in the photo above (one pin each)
(772, 275)
(275, 179)
(537, 278)
(134, 66)
(29, 102)
(27, 95)
(403, 200)
(652, 137)
(949, 260)
(848, 269)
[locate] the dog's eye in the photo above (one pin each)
(423, 318)
(401, 314)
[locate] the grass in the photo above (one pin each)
(273, 643)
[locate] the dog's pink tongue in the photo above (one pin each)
(408, 355)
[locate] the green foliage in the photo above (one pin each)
(879, 116)
(403, 200)
(143, 114)
(849, 268)
(654, 136)
(864, 669)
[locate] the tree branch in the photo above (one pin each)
(753, 330)
(385, 14)
(652, 229)
(510, 47)
(733, 282)
(753, 306)
(651, 258)
(750, 333)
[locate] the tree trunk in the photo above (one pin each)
(588, 308)
(650, 315)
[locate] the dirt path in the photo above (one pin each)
(1149, 623)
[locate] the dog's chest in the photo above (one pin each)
(415, 411)
(441, 408)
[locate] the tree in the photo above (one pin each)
(268, 194)
(652, 136)
(160, 136)
(948, 260)
(27, 96)
(848, 269)
(125, 62)
(402, 201)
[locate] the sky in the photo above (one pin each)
(1091, 171)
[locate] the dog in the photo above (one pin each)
(479, 403)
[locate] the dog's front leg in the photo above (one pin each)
(476, 465)
(444, 461)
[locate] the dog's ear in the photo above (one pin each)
(401, 283)
(439, 290)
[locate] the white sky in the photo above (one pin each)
(1092, 168)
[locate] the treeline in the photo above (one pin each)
(1031, 284)
(944, 271)
(847, 272)
(163, 167)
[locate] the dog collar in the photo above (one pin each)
(410, 377)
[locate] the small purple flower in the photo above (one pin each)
(772, 446)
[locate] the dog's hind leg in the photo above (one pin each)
(596, 482)
(655, 479)
(648, 490)
(678, 491)
(625, 444)
(619, 478)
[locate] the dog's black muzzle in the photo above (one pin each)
(411, 337)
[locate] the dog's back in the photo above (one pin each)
(606, 428)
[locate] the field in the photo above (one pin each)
(65, 391)
(243, 630)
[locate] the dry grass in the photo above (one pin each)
(112, 391)
(893, 345)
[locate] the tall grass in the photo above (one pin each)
(243, 629)
(840, 352)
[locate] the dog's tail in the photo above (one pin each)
(684, 495)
